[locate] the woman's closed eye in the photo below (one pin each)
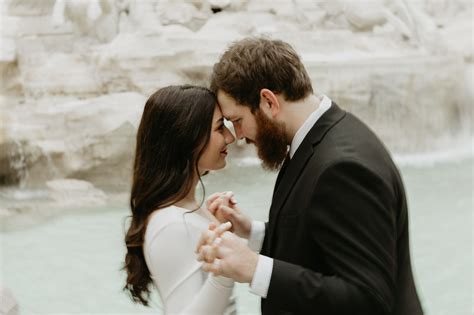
(221, 127)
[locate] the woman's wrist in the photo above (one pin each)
(223, 281)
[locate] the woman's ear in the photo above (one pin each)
(269, 103)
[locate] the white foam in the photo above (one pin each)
(459, 152)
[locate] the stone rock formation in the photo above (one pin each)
(76, 74)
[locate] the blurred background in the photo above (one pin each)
(75, 75)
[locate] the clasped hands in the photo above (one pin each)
(221, 248)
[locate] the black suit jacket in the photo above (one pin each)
(338, 227)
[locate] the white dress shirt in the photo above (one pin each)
(263, 272)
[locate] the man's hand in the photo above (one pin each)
(211, 234)
(223, 207)
(229, 256)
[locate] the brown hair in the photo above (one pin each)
(173, 133)
(252, 64)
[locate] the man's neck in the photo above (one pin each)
(297, 113)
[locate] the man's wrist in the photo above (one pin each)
(248, 230)
(253, 261)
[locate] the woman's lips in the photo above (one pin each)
(224, 151)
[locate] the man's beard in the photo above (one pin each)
(271, 142)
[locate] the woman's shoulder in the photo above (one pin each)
(173, 216)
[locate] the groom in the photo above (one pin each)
(336, 241)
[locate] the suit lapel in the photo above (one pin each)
(292, 169)
(282, 171)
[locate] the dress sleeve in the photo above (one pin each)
(184, 287)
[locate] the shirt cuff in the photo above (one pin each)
(257, 234)
(262, 276)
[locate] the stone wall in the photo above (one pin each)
(76, 74)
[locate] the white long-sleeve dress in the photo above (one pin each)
(169, 248)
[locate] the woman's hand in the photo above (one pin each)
(224, 207)
(226, 198)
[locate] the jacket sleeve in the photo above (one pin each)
(352, 221)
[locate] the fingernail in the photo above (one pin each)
(226, 225)
(217, 241)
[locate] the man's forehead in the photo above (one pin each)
(233, 112)
(230, 109)
(228, 113)
(229, 106)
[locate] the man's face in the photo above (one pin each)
(244, 122)
(269, 136)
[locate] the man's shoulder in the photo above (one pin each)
(352, 141)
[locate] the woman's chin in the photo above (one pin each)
(214, 168)
(221, 164)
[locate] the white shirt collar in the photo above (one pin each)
(324, 105)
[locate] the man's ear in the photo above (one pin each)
(269, 103)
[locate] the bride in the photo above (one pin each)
(181, 137)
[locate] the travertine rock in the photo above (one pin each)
(60, 73)
(71, 192)
(8, 305)
(76, 74)
(92, 139)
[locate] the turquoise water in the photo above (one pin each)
(70, 263)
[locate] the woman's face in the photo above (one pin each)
(213, 157)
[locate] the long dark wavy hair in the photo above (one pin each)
(173, 133)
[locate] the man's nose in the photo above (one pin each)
(238, 132)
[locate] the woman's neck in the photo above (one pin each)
(189, 201)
